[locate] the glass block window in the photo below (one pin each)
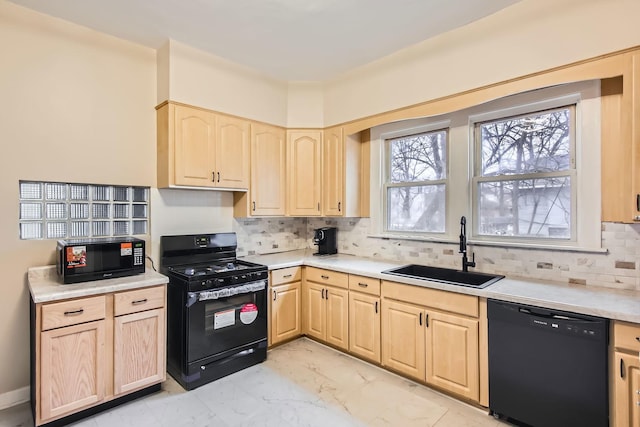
(54, 210)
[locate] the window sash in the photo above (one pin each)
(387, 184)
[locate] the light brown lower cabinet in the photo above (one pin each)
(71, 361)
(284, 304)
(364, 325)
(438, 347)
(625, 372)
(326, 306)
(91, 350)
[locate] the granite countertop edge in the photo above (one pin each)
(615, 304)
(45, 286)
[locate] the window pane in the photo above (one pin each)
(526, 208)
(418, 157)
(535, 143)
(417, 208)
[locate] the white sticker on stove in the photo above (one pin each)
(222, 319)
(248, 313)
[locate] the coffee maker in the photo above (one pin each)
(326, 240)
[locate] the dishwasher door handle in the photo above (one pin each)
(547, 315)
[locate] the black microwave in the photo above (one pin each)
(82, 260)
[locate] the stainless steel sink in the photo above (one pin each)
(445, 275)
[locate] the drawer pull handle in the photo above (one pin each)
(286, 276)
(275, 295)
(426, 320)
(325, 277)
(363, 285)
(420, 321)
(376, 307)
(322, 294)
(139, 301)
(74, 312)
(621, 368)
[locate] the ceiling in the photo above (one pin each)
(293, 40)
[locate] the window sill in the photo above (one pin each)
(515, 245)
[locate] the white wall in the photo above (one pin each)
(77, 106)
(202, 79)
(305, 105)
(530, 36)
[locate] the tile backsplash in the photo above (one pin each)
(618, 268)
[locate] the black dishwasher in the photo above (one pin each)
(547, 368)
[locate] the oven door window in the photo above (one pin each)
(219, 325)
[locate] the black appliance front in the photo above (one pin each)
(81, 260)
(216, 323)
(547, 368)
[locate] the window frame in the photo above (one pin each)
(386, 176)
(477, 178)
(585, 94)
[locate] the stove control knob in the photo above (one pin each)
(206, 283)
(220, 281)
(234, 279)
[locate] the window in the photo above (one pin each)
(415, 184)
(525, 174)
(53, 210)
(524, 169)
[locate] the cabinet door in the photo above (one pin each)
(268, 171)
(139, 357)
(452, 353)
(333, 172)
(194, 145)
(626, 370)
(314, 310)
(364, 325)
(403, 338)
(71, 368)
(232, 152)
(285, 312)
(337, 330)
(304, 165)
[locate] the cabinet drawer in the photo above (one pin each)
(434, 298)
(626, 335)
(67, 313)
(327, 277)
(364, 284)
(286, 275)
(138, 300)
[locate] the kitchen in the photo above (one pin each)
(68, 89)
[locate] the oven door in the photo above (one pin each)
(220, 320)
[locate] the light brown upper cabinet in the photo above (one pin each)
(621, 144)
(304, 166)
(199, 148)
(345, 165)
(266, 195)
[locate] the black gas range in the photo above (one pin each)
(216, 308)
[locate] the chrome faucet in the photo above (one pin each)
(463, 246)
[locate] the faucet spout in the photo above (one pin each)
(463, 246)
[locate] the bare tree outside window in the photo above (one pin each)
(416, 180)
(525, 169)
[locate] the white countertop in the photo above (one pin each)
(45, 285)
(604, 302)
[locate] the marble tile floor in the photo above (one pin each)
(302, 383)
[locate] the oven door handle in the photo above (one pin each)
(246, 288)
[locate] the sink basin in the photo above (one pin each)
(445, 275)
